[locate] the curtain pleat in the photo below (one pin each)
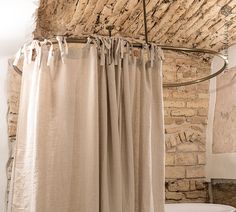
(90, 136)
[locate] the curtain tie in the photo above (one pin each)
(63, 48)
(50, 54)
(17, 57)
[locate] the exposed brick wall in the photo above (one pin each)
(186, 110)
(185, 123)
(14, 85)
(189, 23)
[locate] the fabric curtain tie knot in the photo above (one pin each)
(63, 46)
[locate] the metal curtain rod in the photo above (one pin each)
(164, 47)
(169, 85)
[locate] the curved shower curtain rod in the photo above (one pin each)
(164, 47)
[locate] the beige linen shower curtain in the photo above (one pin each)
(90, 131)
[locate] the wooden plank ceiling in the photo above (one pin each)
(189, 23)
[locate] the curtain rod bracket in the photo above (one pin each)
(110, 28)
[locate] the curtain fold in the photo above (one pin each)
(90, 136)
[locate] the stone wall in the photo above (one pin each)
(185, 123)
(14, 85)
(186, 110)
(224, 192)
(189, 23)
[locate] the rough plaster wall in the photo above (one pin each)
(173, 22)
(224, 135)
(185, 123)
